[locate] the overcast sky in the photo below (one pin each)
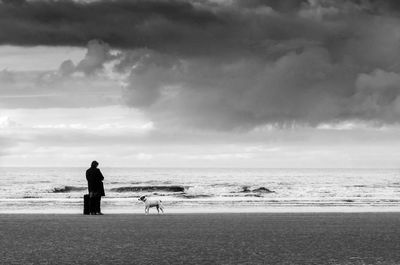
(217, 83)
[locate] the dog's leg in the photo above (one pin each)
(162, 208)
(158, 209)
(146, 210)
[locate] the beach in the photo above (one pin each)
(228, 238)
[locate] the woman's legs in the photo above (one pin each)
(92, 205)
(98, 202)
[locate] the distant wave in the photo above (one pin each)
(68, 189)
(246, 189)
(149, 188)
(253, 195)
(237, 195)
(151, 182)
(193, 196)
(226, 184)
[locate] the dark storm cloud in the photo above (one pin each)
(231, 64)
(127, 24)
(179, 27)
(311, 63)
(278, 5)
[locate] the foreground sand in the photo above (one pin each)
(276, 238)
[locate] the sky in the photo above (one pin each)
(203, 83)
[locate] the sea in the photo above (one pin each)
(199, 190)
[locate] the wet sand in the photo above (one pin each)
(266, 238)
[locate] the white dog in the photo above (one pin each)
(151, 203)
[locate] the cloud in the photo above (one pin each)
(307, 87)
(316, 64)
(190, 28)
(66, 68)
(227, 65)
(378, 96)
(120, 23)
(6, 122)
(7, 77)
(86, 84)
(98, 53)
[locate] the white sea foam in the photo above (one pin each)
(197, 190)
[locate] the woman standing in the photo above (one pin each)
(95, 187)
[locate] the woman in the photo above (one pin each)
(95, 187)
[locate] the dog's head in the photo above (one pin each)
(142, 198)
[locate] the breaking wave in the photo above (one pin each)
(65, 189)
(246, 189)
(192, 196)
(149, 188)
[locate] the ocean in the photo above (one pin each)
(61, 190)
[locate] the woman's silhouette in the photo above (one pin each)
(96, 188)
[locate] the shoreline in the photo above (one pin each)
(216, 210)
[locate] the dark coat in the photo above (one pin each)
(95, 181)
